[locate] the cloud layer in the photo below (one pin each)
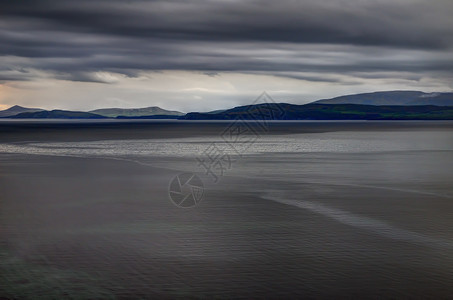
(333, 41)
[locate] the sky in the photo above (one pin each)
(206, 55)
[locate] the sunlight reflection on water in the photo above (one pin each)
(185, 147)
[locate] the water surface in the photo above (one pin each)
(315, 210)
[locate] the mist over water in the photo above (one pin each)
(329, 212)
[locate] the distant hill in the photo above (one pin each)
(57, 114)
(216, 111)
(392, 105)
(135, 112)
(16, 109)
(150, 117)
(393, 98)
(315, 111)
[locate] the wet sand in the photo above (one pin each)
(277, 225)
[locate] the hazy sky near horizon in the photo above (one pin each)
(205, 55)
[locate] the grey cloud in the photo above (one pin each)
(389, 23)
(73, 39)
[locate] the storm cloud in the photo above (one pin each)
(86, 40)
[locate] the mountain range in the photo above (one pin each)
(135, 112)
(317, 111)
(391, 105)
(393, 98)
(57, 114)
(15, 110)
(19, 112)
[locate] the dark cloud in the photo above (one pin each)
(73, 38)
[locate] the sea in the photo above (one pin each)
(180, 209)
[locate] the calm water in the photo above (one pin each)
(319, 213)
